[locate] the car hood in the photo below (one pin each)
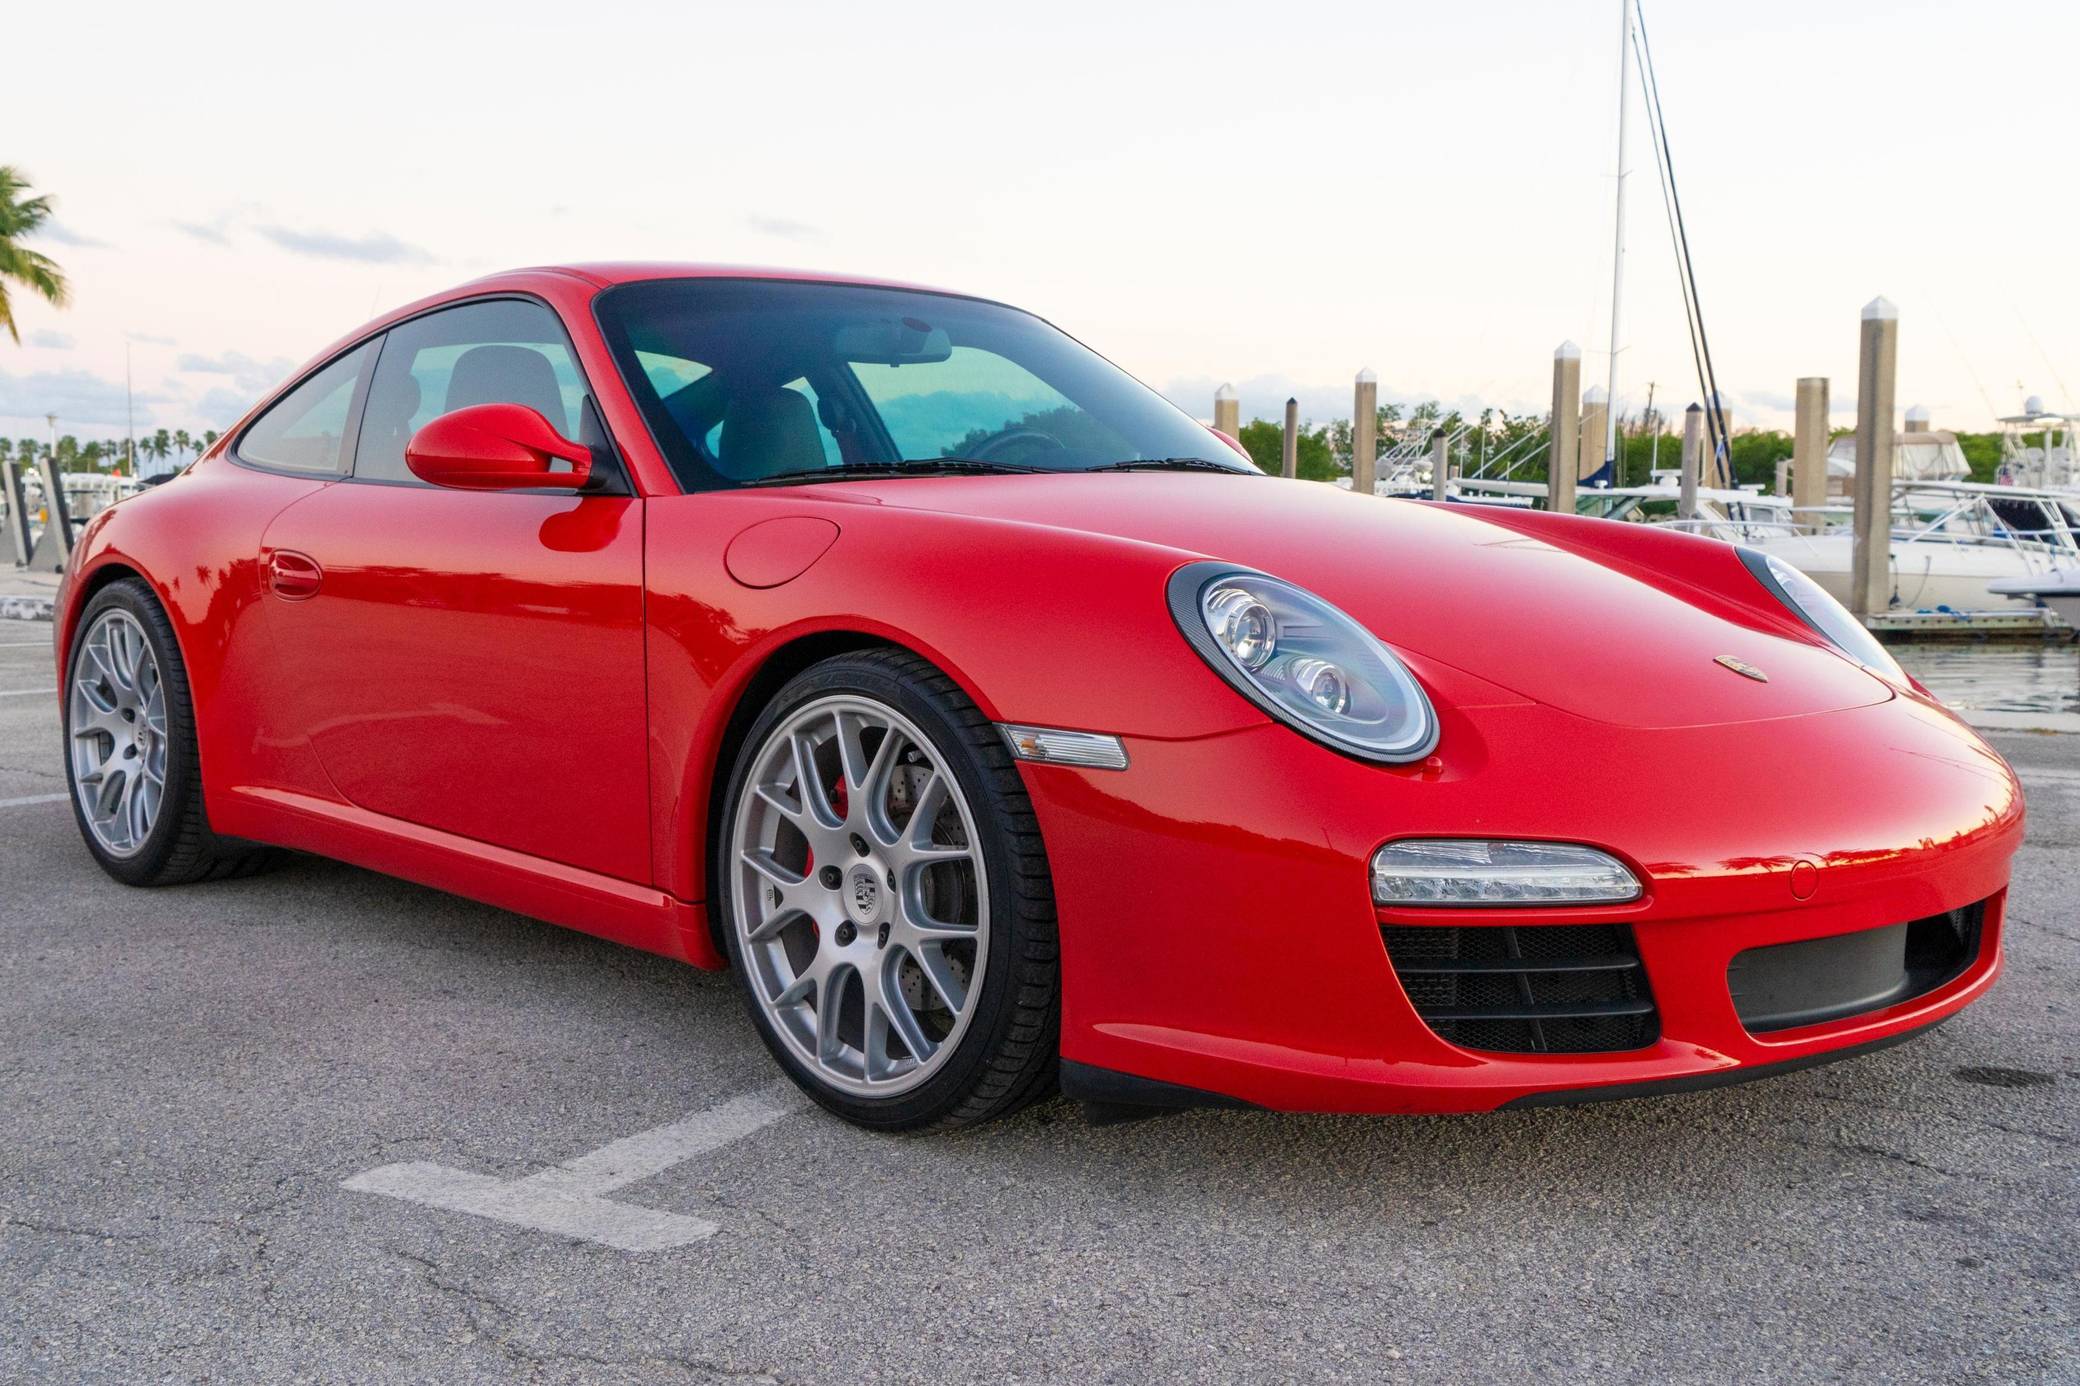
(1444, 585)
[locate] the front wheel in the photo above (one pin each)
(887, 899)
(130, 748)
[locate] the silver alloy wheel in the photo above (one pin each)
(861, 904)
(116, 711)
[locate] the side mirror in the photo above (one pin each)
(496, 447)
(1232, 441)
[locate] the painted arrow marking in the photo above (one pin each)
(570, 1199)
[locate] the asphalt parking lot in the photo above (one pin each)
(191, 1079)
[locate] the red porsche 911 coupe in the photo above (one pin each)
(1003, 727)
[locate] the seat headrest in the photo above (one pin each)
(501, 374)
(766, 432)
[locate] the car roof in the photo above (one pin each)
(605, 273)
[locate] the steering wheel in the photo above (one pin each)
(988, 448)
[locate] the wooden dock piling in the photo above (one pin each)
(1809, 452)
(1365, 434)
(1877, 372)
(1563, 455)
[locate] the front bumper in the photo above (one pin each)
(1218, 934)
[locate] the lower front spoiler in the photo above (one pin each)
(1110, 1097)
(1699, 1082)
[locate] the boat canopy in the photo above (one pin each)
(1915, 457)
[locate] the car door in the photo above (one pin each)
(471, 661)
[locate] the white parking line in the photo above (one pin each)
(27, 800)
(28, 693)
(569, 1200)
(26, 645)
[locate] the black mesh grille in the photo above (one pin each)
(1536, 989)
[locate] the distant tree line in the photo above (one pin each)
(113, 455)
(1325, 449)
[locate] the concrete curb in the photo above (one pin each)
(25, 608)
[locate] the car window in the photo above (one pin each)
(949, 408)
(832, 456)
(743, 381)
(306, 431)
(502, 352)
(669, 374)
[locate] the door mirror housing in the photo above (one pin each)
(496, 447)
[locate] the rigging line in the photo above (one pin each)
(2064, 394)
(1970, 369)
(1714, 408)
(1716, 432)
(1690, 322)
(1689, 318)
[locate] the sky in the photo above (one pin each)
(1271, 195)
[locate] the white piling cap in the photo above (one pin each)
(1226, 391)
(1880, 309)
(1567, 351)
(1366, 377)
(1593, 395)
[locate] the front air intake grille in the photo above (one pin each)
(1527, 989)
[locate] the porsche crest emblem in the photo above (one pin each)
(1741, 667)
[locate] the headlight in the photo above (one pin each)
(1448, 871)
(1808, 600)
(1304, 662)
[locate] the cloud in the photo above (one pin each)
(51, 341)
(250, 376)
(64, 235)
(76, 397)
(376, 248)
(216, 232)
(220, 408)
(783, 228)
(151, 339)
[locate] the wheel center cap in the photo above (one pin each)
(863, 894)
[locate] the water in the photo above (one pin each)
(2025, 676)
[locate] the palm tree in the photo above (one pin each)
(19, 218)
(209, 438)
(183, 442)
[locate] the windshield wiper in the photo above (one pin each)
(909, 466)
(1170, 464)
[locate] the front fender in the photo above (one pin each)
(1035, 624)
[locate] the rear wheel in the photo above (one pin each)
(887, 900)
(130, 748)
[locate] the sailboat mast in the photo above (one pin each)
(1610, 426)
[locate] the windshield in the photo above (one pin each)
(744, 381)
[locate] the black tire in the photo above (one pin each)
(1008, 1055)
(180, 847)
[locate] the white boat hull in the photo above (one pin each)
(1924, 575)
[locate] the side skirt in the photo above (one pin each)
(639, 916)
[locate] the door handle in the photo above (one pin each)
(293, 576)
